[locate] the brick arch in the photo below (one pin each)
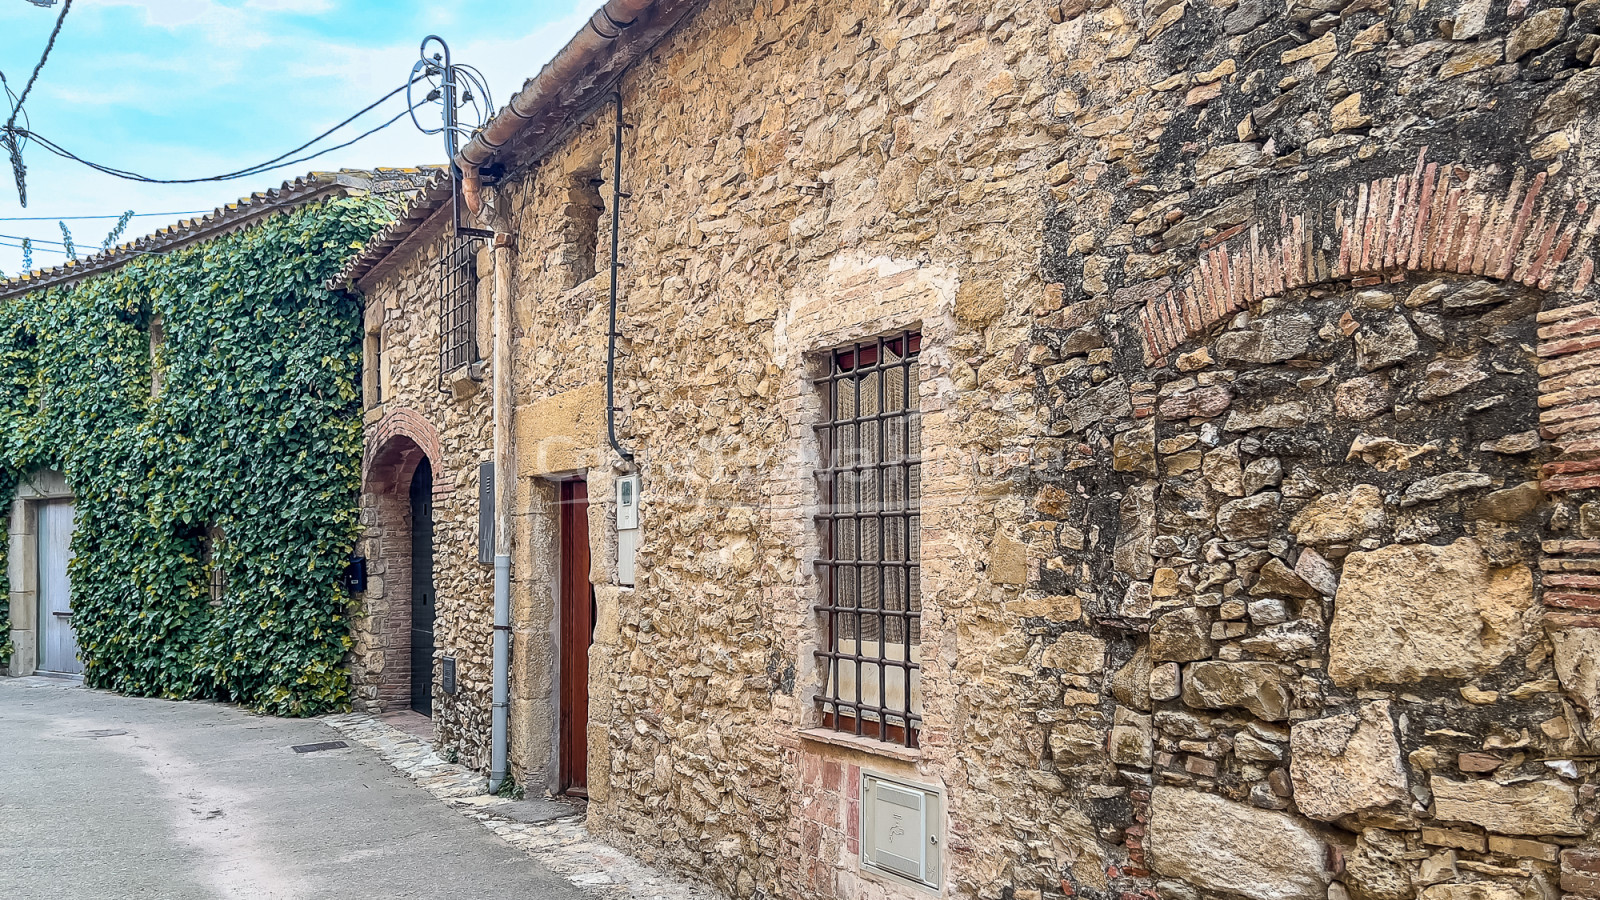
(1435, 218)
(1445, 220)
(394, 449)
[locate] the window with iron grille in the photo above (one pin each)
(458, 309)
(216, 575)
(870, 482)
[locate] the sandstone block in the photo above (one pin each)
(1378, 869)
(1131, 739)
(1341, 517)
(1347, 114)
(1347, 764)
(1440, 486)
(1535, 807)
(1135, 451)
(1411, 611)
(1255, 686)
(1511, 504)
(1577, 659)
(1362, 398)
(1220, 845)
(1385, 343)
(1274, 415)
(1249, 517)
(1182, 635)
(1131, 683)
(1480, 890)
(1276, 579)
(1270, 339)
(1471, 59)
(1165, 681)
(1539, 30)
(1075, 652)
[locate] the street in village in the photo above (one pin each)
(106, 796)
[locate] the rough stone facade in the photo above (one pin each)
(1259, 552)
(412, 414)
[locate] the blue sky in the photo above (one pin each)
(180, 88)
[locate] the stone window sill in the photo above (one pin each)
(863, 744)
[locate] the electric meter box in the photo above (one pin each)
(627, 527)
(901, 830)
(627, 502)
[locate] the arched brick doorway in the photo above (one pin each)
(401, 448)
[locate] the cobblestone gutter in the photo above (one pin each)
(564, 846)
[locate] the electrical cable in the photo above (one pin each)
(18, 246)
(21, 237)
(13, 134)
(49, 45)
(277, 162)
(181, 212)
(8, 137)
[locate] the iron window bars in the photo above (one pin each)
(870, 486)
(458, 308)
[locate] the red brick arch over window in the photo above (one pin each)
(1444, 219)
(1435, 218)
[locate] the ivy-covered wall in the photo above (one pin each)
(255, 432)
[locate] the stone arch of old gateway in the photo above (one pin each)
(402, 448)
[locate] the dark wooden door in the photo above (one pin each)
(577, 633)
(422, 596)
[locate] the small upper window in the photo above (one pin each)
(372, 367)
(458, 316)
(158, 337)
(870, 484)
(585, 205)
(216, 575)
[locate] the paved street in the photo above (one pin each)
(103, 796)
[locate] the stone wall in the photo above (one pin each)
(1257, 426)
(447, 422)
(1314, 482)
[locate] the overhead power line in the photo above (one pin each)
(49, 45)
(181, 212)
(8, 136)
(277, 162)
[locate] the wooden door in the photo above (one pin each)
(422, 593)
(58, 644)
(577, 633)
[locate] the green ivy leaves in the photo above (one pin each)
(256, 431)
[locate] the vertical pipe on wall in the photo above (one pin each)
(617, 196)
(504, 482)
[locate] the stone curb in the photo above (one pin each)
(564, 846)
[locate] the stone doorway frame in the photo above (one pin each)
(381, 665)
(22, 561)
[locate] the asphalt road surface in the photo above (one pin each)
(103, 796)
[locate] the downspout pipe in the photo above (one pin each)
(504, 489)
(603, 28)
(617, 196)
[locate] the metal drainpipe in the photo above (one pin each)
(504, 494)
(617, 196)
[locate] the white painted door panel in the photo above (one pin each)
(58, 645)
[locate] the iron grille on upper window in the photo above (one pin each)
(870, 480)
(458, 309)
